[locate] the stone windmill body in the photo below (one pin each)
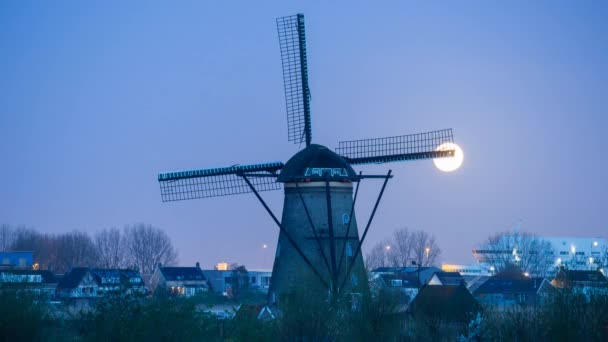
(319, 246)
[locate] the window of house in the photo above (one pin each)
(563, 253)
(522, 298)
(349, 250)
(396, 282)
(6, 261)
(345, 219)
(353, 280)
(580, 253)
(265, 281)
(253, 280)
(21, 262)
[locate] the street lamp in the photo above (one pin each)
(388, 247)
(427, 250)
(264, 248)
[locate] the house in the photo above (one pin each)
(132, 281)
(260, 280)
(220, 281)
(216, 280)
(40, 282)
(179, 281)
(446, 278)
(447, 303)
(474, 282)
(402, 284)
(84, 282)
(79, 282)
(509, 291)
(17, 259)
(424, 274)
(119, 280)
(579, 279)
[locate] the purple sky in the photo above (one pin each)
(95, 100)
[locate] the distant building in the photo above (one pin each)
(21, 259)
(587, 253)
(222, 266)
(468, 270)
(37, 281)
(179, 281)
(220, 281)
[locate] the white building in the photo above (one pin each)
(583, 253)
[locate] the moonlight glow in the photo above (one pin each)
(449, 164)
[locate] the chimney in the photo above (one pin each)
(198, 265)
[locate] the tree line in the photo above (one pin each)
(402, 248)
(140, 246)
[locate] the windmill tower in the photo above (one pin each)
(319, 236)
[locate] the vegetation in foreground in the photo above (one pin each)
(564, 317)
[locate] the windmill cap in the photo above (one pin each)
(316, 163)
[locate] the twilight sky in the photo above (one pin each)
(97, 98)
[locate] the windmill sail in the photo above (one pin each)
(223, 181)
(399, 148)
(292, 40)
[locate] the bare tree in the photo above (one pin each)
(525, 250)
(7, 237)
(75, 249)
(378, 256)
(110, 246)
(148, 246)
(403, 248)
(425, 250)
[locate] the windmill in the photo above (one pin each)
(319, 237)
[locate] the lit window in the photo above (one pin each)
(396, 282)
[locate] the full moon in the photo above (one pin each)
(449, 164)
